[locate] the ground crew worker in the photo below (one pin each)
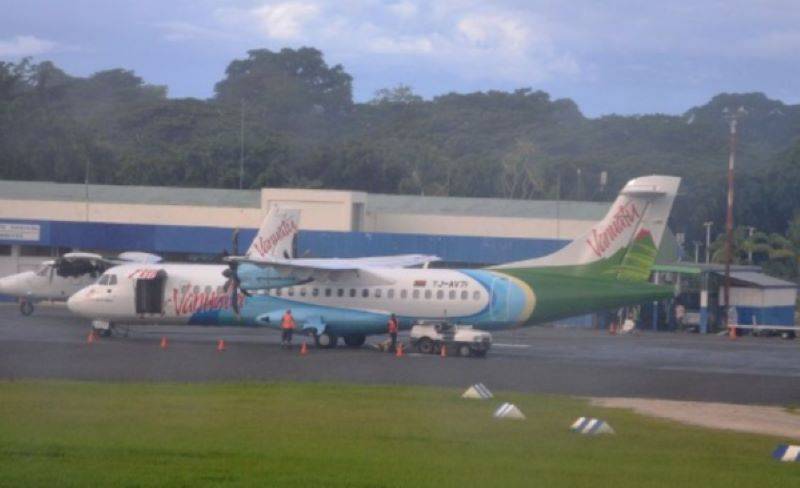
(393, 332)
(287, 327)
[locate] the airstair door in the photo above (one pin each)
(149, 294)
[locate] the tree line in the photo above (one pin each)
(302, 128)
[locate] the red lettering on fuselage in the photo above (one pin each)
(187, 301)
(625, 216)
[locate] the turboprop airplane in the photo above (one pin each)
(207, 294)
(606, 268)
(58, 279)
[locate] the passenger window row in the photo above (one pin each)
(389, 293)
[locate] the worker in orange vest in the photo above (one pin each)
(392, 325)
(287, 328)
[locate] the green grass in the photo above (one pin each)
(88, 434)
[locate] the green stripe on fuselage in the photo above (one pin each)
(561, 295)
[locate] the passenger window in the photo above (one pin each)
(428, 294)
(340, 292)
(208, 288)
(390, 293)
(464, 294)
(315, 292)
(440, 294)
(365, 293)
(196, 289)
(278, 292)
(378, 293)
(352, 292)
(476, 295)
(452, 295)
(112, 280)
(291, 292)
(303, 291)
(327, 292)
(415, 294)
(403, 294)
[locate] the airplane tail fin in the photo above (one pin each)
(275, 237)
(625, 243)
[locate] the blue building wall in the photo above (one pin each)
(212, 240)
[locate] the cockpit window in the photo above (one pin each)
(43, 270)
(112, 280)
(103, 280)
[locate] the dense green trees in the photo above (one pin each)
(302, 128)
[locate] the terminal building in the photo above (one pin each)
(39, 219)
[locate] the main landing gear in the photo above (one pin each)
(25, 307)
(355, 340)
(325, 340)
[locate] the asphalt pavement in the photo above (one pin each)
(53, 344)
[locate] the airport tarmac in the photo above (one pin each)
(52, 344)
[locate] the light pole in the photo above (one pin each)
(708, 226)
(697, 251)
(733, 120)
(750, 231)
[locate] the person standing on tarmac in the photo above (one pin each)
(287, 328)
(392, 326)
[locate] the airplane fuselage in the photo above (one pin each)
(197, 295)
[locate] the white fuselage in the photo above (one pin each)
(44, 284)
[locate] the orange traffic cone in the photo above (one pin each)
(163, 342)
(220, 345)
(90, 338)
(443, 352)
(399, 350)
(303, 349)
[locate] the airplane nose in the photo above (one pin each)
(75, 303)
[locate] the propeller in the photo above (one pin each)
(233, 285)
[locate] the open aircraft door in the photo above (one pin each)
(498, 301)
(149, 293)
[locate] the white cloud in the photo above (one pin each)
(404, 10)
(184, 31)
(21, 46)
(285, 21)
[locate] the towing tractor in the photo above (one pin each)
(428, 337)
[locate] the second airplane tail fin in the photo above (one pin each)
(276, 235)
(625, 243)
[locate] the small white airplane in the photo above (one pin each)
(606, 268)
(58, 279)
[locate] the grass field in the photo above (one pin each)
(89, 434)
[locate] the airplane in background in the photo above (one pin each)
(606, 268)
(59, 278)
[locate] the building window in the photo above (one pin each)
(378, 293)
(352, 292)
(365, 293)
(476, 295)
(315, 292)
(415, 294)
(327, 292)
(340, 292)
(390, 293)
(41, 251)
(5, 250)
(452, 295)
(440, 294)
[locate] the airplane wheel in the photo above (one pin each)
(325, 340)
(25, 307)
(355, 340)
(425, 346)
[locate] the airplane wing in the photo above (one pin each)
(335, 269)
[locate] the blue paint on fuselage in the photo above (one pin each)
(507, 303)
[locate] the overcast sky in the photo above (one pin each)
(613, 56)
